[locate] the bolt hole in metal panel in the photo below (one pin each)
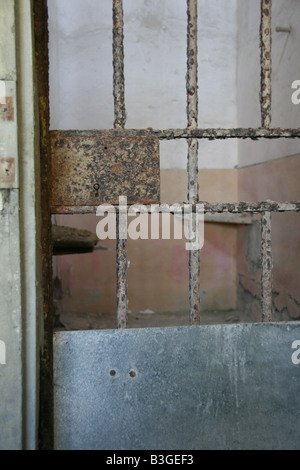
(209, 387)
(91, 168)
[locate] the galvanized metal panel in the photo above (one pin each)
(92, 168)
(207, 387)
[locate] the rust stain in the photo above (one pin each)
(7, 109)
(7, 170)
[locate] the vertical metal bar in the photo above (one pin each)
(266, 267)
(46, 399)
(266, 62)
(119, 123)
(121, 279)
(192, 123)
(118, 65)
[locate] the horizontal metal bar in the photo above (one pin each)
(211, 133)
(223, 133)
(209, 208)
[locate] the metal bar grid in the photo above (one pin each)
(192, 134)
(119, 123)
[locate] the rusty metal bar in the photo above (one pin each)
(118, 65)
(210, 134)
(252, 207)
(119, 123)
(266, 267)
(266, 63)
(46, 395)
(192, 123)
(223, 133)
(209, 208)
(121, 260)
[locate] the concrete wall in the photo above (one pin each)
(20, 308)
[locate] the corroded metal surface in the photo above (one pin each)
(254, 207)
(99, 168)
(119, 123)
(219, 133)
(209, 133)
(46, 377)
(121, 259)
(118, 65)
(266, 266)
(266, 62)
(209, 208)
(192, 123)
(192, 64)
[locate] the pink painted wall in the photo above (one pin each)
(158, 273)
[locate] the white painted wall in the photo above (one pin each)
(155, 67)
(285, 69)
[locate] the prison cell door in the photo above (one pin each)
(193, 387)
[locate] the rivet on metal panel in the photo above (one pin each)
(133, 374)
